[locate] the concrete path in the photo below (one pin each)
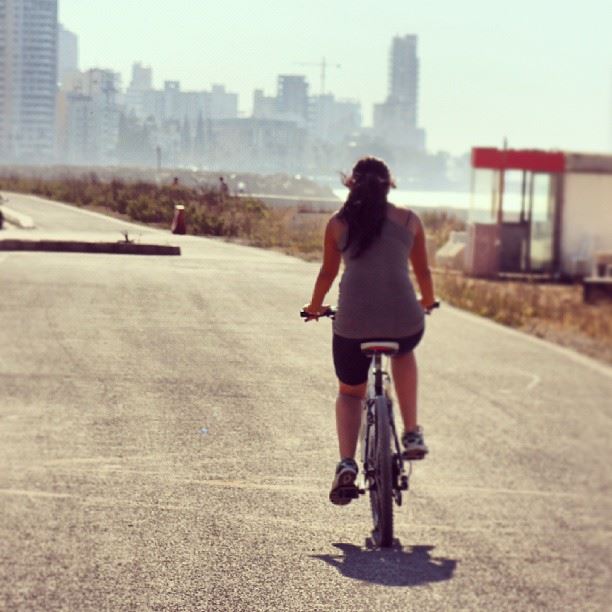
(38, 224)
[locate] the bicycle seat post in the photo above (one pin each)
(375, 350)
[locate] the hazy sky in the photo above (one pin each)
(536, 71)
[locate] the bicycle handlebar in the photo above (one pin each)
(331, 312)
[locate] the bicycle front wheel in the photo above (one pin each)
(381, 493)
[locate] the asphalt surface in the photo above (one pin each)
(167, 441)
(49, 216)
(63, 229)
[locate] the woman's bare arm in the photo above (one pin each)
(329, 267)
(420, 265)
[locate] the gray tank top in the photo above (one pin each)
(376, 296)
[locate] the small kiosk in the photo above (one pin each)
(545, 213)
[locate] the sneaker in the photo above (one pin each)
(343, 488)
(414, 445)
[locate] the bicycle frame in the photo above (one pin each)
(383, 474)
(378, 387)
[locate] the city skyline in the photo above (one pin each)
(102, 123)
(485, 76)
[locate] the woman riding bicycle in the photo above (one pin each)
(375, 239)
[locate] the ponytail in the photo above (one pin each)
(365, 208)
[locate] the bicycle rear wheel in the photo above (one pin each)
(381, 494)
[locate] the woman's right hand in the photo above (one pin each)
(314, 312)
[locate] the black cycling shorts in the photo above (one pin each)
(352, 365)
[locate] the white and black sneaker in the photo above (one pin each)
(414, 445)
(343, 488)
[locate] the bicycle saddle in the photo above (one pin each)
(384, 348)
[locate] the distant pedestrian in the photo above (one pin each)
(223, 188)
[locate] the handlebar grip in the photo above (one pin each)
(431, 307)
(330, 312)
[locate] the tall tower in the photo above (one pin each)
(395, 120)
(28, 79)
(404, 75)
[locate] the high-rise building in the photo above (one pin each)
(139, 90)
(333, 120)
(142, 77)
(222, 104)
(89, 117)
(173, 99)
(28, 79)
(396, 119)
(67, 53)
(292, 97)
(264, 107)
(404, 76)
(173, 104)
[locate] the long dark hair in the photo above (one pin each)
(366, 205)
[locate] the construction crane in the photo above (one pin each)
(323, 66)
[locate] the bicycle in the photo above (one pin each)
(383, 474)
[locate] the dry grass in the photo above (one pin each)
(554, 312)
(303, 233)
(287, 231)
(439, 225)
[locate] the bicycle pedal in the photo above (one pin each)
(343, 495)
(348, 492)
(414, 456)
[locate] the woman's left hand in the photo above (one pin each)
(428, 307)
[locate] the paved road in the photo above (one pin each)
(167, 442)
(50, 216)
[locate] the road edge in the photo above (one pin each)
(15, 218)
(79, 246)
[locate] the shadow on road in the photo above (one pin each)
(391, 567)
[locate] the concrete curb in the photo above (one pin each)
(15, 218)
(76, 246)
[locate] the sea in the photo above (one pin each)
(458, 201)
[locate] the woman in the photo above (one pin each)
(377, 301)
